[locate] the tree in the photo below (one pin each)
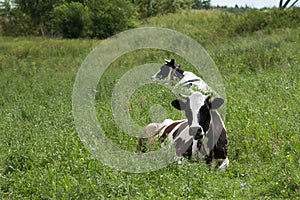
(201, 4)
(38, 10)
(6, 10)
(69, 19)
(150, 8)
(108, 17)
(14, 22)
(284, 5)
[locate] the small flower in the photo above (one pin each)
(2, 176)
(188, 189)
(243, 186)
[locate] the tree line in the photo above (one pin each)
(85, 18)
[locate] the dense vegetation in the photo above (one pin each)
(257, 54)
(101, 19)
(80, 18)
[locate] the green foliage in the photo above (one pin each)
(201, 4)
(69, 19)
(95, 20)
(73, 19)
(209, 26)
(38, 10)
(17, 24)
(14, 22)
(254, 20)
(108, 17)
(150, 8)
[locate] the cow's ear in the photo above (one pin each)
(172, 62)
(178, 104)
(216, 103)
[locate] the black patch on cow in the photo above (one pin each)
(201, 148)
(208, 158)
(180, 129)
(164, 72)
(178, 104)
(216, 103)
(182, 146)
(188, 153)
(168, 130)
(171, 63)
(179, 73)
(204, 117)
(220, 149)
(217, 132)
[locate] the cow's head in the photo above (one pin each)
(168, 71)
(197, 110)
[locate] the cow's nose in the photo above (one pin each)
(196, 131)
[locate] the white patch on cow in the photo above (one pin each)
(225, 164)
(196, 102)
(165, 125)
(153, 78)
(180, 160)
(198, 85)
(184, 135)
(195, 150)
(188, 76)
(167, 122)
(204, 143)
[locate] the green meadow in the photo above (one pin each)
(42, 156)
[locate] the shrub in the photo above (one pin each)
(18, 24)
(150, 8)
(69, 19)
(254, 20)
(108, 17)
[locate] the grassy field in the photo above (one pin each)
(42, 157)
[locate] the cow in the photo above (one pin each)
(201, 135)
(171, 71)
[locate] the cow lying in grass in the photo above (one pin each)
(171, 71)
(202, 134)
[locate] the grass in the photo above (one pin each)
(42, 157)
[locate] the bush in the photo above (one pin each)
(150, 8)
(108, 17)
(69, 20)
(18, 24)
(254, 20)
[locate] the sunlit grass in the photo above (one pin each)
(42, 157)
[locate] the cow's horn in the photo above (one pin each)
(183, 96)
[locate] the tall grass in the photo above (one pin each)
(42, 157)
(210, 26)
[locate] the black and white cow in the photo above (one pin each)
(202, 134)
(170, 71)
